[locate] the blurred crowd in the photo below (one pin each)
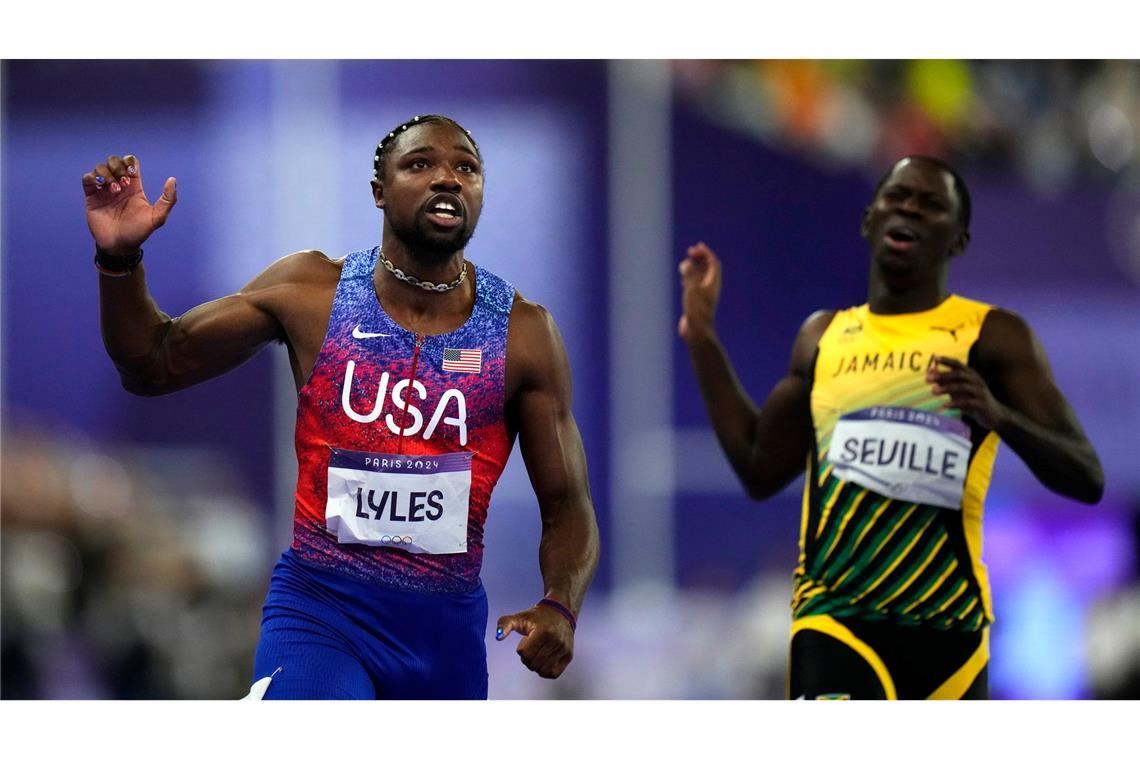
(124, 573)
(1055, 122)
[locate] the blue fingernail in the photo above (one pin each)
(498, 634)
(99, 180)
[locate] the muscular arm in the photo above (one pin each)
(157, 354)
(552, 451)
(539, 388)
(1012, 392)
(767, 446)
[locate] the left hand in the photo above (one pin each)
(967, 390)
(547, 644)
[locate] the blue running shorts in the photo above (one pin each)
(325, 635)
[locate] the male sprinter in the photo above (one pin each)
(415, 370)
(896, 406)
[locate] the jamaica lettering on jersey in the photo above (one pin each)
(892, 510)
(398, 452)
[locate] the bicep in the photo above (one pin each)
(548, 435)
(783, 435)
(209, 340)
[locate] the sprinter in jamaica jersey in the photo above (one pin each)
(896, 408)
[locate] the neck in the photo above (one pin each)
(432, 268)
(887, 295)
(423, 265)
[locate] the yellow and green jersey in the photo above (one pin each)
(892, 508)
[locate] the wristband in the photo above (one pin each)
(116, 266)
(561, 610)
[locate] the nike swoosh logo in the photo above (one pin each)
(359, 335)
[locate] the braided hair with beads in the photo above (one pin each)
(380, 160)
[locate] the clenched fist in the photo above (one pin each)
(547, 644)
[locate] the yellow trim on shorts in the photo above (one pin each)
(957, 684)
(826, 624)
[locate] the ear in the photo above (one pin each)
(960, 243)
(865, 222)
(378, 192)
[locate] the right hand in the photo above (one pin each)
(118, 214)
(700, 292)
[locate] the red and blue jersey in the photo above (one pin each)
(381, 398)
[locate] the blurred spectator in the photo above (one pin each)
(1052, 121)
(114, 584)
(1112, 644)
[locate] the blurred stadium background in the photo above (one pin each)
(137, 534)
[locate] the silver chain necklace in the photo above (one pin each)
(441, 288)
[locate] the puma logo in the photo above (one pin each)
(952, 330)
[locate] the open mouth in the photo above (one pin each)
(445, 210)
(901, 237)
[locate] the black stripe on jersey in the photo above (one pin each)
(951, 586)
(903, 578)
(944, 562)
(841, 502)
(876, 534)
(867, 571)
(976, 618)
(833, 544)
(963, 607)
(956, 543)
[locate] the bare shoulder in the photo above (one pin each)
(1002, 323)
(530, 318)
(814, 326)
(535, 350)
(301, 268)
(297, 291)
(1005, 336)
(807, 340)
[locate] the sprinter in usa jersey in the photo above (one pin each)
(416, 370)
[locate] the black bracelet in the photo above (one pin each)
(561, 610)
(116, 266)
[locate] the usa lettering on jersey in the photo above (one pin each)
(451, 397)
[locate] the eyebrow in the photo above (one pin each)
(902, 185)
(431, 149)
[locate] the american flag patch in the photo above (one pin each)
(462, 359)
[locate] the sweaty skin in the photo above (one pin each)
(1007, 386)
(291, 300)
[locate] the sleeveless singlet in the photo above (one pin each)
(400, 440)
(891, 528)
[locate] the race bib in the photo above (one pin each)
(415, 503)
(903, 453)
